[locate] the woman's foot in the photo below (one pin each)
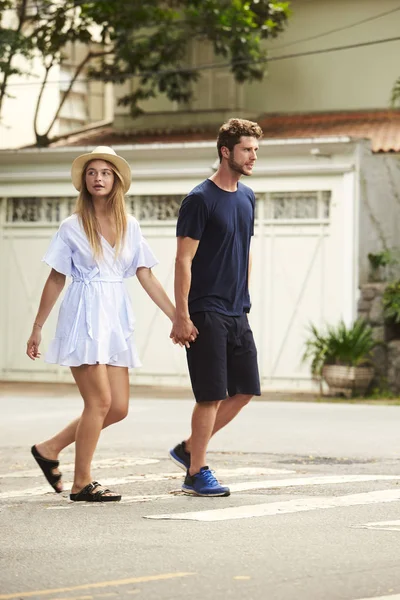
(93, 492)
(47, 461)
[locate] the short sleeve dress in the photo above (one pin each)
(96, 322)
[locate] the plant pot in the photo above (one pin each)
(347, 380)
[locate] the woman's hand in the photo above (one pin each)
(32, 345)
(183, 332)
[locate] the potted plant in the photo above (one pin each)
(381, 264)
(342, 356)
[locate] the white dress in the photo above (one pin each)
(96, 321)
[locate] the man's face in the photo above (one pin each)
(244, 155)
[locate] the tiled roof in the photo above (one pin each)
(109, 136)
(381, 127)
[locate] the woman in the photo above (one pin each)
(98, 246)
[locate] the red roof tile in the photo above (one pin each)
(381, 127)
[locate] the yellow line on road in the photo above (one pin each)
(100, 584)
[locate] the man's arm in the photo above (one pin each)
(249, 269)
(183, 330)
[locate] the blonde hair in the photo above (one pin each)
(116, 207)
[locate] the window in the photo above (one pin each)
(291, 206)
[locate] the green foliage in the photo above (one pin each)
(391, 302)
(340, 345)
(395, 97)
(38, 29)
(381, 259)
(150, 40)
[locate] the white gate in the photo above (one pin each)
(303, 272)
(300, 268)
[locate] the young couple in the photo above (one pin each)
(98, 246)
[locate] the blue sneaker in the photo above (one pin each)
(180, 456)
(204, 483)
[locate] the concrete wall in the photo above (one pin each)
(379, 211)
(359, 78)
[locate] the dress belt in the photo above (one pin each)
(92, 276)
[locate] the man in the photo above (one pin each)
(214, 229)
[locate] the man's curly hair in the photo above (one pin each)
(230, 133)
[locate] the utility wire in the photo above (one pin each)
(224, 65)
(211, 66)
(338, 29)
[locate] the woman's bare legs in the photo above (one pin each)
(94, 386)
(118, 386)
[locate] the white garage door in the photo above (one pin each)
(298, 276)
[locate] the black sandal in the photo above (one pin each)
(47, 465)
(88, 494)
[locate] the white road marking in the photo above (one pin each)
(395, 597)
(316, 480)
(235, 487)
(381, 526)
(97, 464)
(285, 507)
(152, 477)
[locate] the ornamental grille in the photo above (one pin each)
(277, 206)
(54, 210)
(298, 205)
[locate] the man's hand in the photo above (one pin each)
(183, 331)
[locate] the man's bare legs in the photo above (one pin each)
(207, 419)
(112, 381)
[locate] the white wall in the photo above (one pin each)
(354, 79)
(301, 271)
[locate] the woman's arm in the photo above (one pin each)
(155, 290)
(51, 291)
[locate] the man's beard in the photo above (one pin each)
(236, 167)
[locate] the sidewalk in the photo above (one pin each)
(11, 388)
(34, 389)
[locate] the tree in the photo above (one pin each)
(147, 41)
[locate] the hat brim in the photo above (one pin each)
(119, 163)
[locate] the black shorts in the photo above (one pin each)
(223, 359)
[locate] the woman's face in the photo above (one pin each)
(99, 178)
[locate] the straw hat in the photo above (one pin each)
(101, 153)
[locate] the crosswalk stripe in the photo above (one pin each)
(380, 526)
(151, 477)
(97, 464)
(395, 597)
(284, 507)
(301, 481)
(234, 487)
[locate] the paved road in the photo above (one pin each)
(314, 512)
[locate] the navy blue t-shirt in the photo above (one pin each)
(224, 223)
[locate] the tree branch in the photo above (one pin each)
(39, 99)
(13, 50)
(43, 140)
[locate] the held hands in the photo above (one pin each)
(32, 345)
(183, 332)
